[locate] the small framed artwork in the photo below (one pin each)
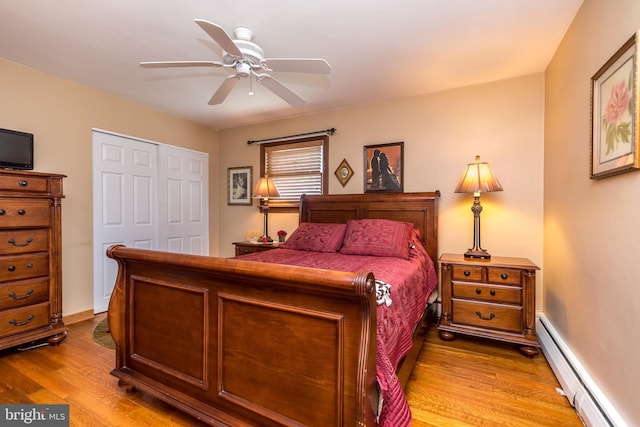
(239, 185)
(614, 106)
(344, 172)
(383, 167)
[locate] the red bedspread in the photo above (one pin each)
(412, 281)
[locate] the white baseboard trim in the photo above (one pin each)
(583, 394)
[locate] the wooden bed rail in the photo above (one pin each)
(236, 342)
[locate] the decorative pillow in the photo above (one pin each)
(316, 237)
(378, 237)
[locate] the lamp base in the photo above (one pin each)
(477, 253)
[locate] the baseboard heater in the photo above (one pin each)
(590, 403)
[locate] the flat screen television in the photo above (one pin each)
(16, 150)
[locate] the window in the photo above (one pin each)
(297, 167)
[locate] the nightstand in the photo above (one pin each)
(492, 299)
(247, 247)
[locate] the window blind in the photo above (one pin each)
(296, 169)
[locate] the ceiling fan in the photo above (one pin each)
(247, 59)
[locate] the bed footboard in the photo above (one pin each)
(236, 342)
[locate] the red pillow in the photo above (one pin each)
(378, 237)
(316, 237)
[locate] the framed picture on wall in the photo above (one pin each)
(614, 106)
(384, 167)
(239, 185)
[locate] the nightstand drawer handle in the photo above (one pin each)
(492, 292)
(14, 322)
(504, 276)
(478, 291)
(21, 212)
(23, 183)
(467, 273)
(16, 297)
(491, 316)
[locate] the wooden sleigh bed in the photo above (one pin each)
(236, 342)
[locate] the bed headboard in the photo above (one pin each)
(421, 209)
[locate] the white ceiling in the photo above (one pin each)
(377, 49)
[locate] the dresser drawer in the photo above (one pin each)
(23, 241)
(23, 292)
(17, 267)
(24, 213)
(22, 183)
(463, 272)
(485, 292)
(24, 319)
(505, 276)
(490, 316)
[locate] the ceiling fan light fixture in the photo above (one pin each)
(243, 69)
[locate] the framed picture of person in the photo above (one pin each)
(239, 185)
(383, 167)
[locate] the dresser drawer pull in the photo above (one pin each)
(492, 292)
(15, 297)
(11, 268)
(504, 276)
(23, 183)
(2, 212)
(14, 322)
(13, 242)
(21, 212)
(467, 273)
(491, 316)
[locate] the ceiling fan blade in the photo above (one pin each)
(298, 65)
(220, 36)
(224, 89)
(168, 64)
(279, 89)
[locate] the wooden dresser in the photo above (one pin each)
(30, 258)
(489, 298)
(244, 248)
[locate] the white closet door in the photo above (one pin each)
(183, 214)
(124, 204)
(145, 195)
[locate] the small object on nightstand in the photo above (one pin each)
(244, 248)
(490, 299)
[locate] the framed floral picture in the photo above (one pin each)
(614, 106)
(239, 185)
(383, 167)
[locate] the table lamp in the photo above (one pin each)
(265, 188)
(477, 178)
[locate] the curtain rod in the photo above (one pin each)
(290, 137)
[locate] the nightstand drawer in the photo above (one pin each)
(493, 293)
(490, 316)
(505, 276)
(463, 272)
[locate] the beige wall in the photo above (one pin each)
(61, 115)
(591, 248)
(442, 132)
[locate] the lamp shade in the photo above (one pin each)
(478, 178)
(265, 188)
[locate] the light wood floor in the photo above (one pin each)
(461, 383)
